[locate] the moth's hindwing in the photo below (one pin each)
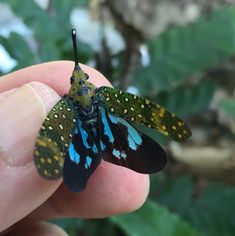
(142, 111)
(81, 159)
(123, 145)
(53, 139)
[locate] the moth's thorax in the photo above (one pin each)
(81, 90)
(90, 117)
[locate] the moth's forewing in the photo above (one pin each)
(53, 139)
(142, 111)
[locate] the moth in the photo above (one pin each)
(89, 125)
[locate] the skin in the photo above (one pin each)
(27, 199)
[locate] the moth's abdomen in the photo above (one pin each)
(53, 139)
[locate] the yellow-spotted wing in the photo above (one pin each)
(142, 111)
(53, 139)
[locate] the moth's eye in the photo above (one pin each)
(71, 79)
(87, 76)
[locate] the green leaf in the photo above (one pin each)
(51, 28)
(61, 10)
(49, 52)
(183, 51)
(153, 220)
(41, 21)
(99, 227)
(18, 49)
(188, 100)
(70, 225)
(228, 106)
(211, 212)
(177, 194)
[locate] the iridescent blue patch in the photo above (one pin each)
(74, 156)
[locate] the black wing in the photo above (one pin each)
(81, 159)
(125, 146)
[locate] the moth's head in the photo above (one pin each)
(81, 90)
(79, 79)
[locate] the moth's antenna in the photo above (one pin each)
(75, 52)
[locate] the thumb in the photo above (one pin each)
(22, 112)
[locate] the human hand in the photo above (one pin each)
(25, 197)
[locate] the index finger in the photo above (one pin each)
(55, 74)
(19, 128)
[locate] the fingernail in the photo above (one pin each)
(22, 112)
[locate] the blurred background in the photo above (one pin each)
(180, 54)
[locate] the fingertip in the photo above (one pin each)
(39, 229)
(121, 189)
(95, 76)
(46, 95)
(111, 190)
(55, 74)
(136, 198)
(22, 182)
(21, 115)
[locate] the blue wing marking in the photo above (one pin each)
(82, 158)
(134, 139)
(119, 154)
(125, 146)
(94, 148)
(74, 156)
(88, 162)
(116, 153)
(107, 130)
(102, 146)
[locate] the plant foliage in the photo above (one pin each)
(154, 220)
(175, 78)
(211, 212)
(182, 52)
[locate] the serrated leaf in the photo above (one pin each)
(184, 101)
(211, 212)
(183, 51)
(45, 28)
(51, 27)
(153, 220)
(18, 49)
